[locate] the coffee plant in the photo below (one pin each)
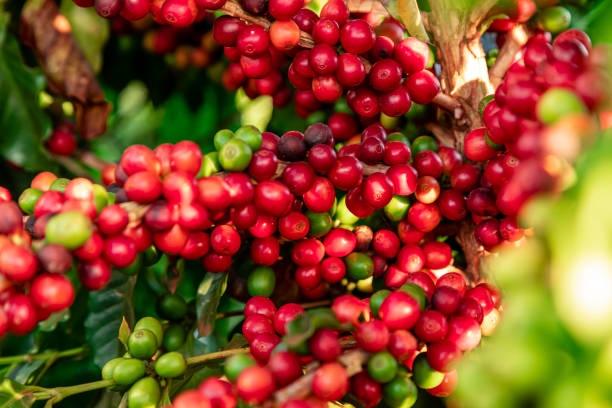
(284, 203)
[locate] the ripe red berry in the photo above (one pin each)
(284, 35)
(412, 54)
(143, 187)
(372, 336)
(385, 75)
(357, 36)
(54, 258)
(262, 345)
(402, 344)
(431, 326)
(62, 142)
(94, 274)
(255, 384)
(119, 251)
(51, 292)
(265, 251)
(378, 190)
(464, 332)
(325, 345)
(323, 59)
(21, 314)
(399, 310)
(423, 86)
(330, 382)
(17, 263)
(308, 252)
(214, 193)
(443, 356)
(285, 366)
(285, 314)
(273, 198)
(293, 226)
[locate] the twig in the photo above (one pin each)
(216, 355)
(515, 39)
(450, 104)
(72, 165)
(442, 134)
(471, 249)
(353, 361)
(26, 358)
(90, 159)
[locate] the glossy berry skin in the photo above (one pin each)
(339, 242)
(372, 336)
(284, 9)
(119, 251)
(17, 263)
(464, 332)
(51, 292)
(265, 251)
(425, 217)
(438, 255)
(327, 31)
(284, 315)
(256, 324)
(320, 196)
(255, 384)
(476, 147)
(469, 307)
(95, 274)
(443, 356)
(330, 382)
(366, 389)
(378, 190)
(112, 219)
(336, 10)
(54, 258)
(20, 314)
(351, 71)
(385, 75)
(293, 226)
(431, 326)
(423, 86)
(273, 198)
(308, 252)
(262, 345)
(346, 173)
(404, 179)
(285, 366)
(62, 142)
(357, 37)
(412, 54)
(399, 311)
(325, 345)
(446, 300)
(402, 344)
(333, 269)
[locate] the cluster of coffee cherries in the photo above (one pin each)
(398, 341)
(150, 361)
(535, 125)
(377, 73)
(33, 282)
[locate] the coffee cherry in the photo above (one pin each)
(261, 281)
(17, 263)
(285, 366)
(321, 196)
(170, 365)
(357, 37)
(382, 367)
(95, 274)
(51, 292)
(142, 344)
(325, 345)
(145, 392)
(431, 326)
(399, 311)
(366, 389)
(378, 190)
(402, 344)
(372, 336)
(235, 155)
(464, 332)
(412, 54)
(70, 229)
(308, 252)
(219, 392)
(112, 219)
(330, 381)
(400, 391)
(286, 314)
(265, 251)
(424, 375)
(20, 314)
(255, 384)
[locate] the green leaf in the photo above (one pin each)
(107, 309)
(15, 395)
(90, 31)
(24, 124)
(177, 122)
(124, 332)
(24, 371)
(209, 294)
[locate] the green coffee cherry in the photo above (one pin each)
(236, 364)
(424, 143)
(100, 197)
(251, 135)
(261, 281)
(153, 325)
(400, 392)
(417, 293)
(376, 300)
(150, 256)
(483, 103)
(343, 215)
(425, 376)
(397, 208)
(341, 106)
(554, 19)
(172, 307)
(320, 223)
(557, 103)
(28, 199)
(314, 117)
(382, 367)
(222, 137)
(210, 165)
(109, 367)
(170, 365)
(59, 184)
(235, 155)
(142, 344)
(145, 393)
(129, 370)
(174, 337)
(70, 229)
(398, 137)
(359, 266)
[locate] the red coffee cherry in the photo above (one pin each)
(464, 332)
(294, 226)
(453, 280)
(443, 356)
(51, 292)
(325, 345)
(284, 315)
(262, 345)
(366, 389)
(285, 366)
(308, 252)
(20, 314)
(431, 326)
(402, 344)
(255, 384)
(412, 54)
(330, 381)
(179, 187)
(112, 219)
(339, 242)
(186, 156)
(17, 263)
(333, 269)
(399, 311)
(225, 240)
(91, 249)
(214, 193)
(119, 251)
(137, 158)
(321, 196)
(260, 305)
(265, 251)
(357, 37)
(273, 197)
(216, 263)
(446, 300)
(54, 258)
(143, 187)
(94, 274)
(372, 336)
